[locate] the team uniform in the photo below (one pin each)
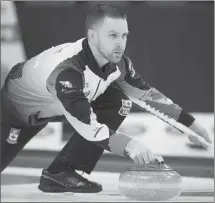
(65, 82)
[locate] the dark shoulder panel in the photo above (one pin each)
(70, 63)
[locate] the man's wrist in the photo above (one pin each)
(117, 143)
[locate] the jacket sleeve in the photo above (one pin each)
(77, 110)
(140, 91)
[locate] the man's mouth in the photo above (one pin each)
(118, 52)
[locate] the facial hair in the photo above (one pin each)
(108, 56)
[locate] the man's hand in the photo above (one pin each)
(201, 131)
(140, 153)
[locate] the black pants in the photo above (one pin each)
(80, 153)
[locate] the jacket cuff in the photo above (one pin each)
(185, 118)
(117, 144)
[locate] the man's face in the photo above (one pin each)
(111, 38)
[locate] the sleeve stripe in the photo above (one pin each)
(131, 90)
(98, 131)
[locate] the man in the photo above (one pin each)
(92, 84)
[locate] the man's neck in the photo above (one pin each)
(101, 61)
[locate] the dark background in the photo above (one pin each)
(170, 43)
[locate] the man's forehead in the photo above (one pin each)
(114, 25)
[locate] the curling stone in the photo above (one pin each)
(157, 182)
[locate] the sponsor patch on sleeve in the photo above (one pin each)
(67, 87)
(13, 136)
(125, 108)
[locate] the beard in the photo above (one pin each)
(110, 56)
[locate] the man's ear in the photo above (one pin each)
(92, 35)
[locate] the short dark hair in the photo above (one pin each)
(98, 12)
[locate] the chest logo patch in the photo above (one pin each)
(66, 84)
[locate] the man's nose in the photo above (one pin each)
(120, 47)
(120, 44)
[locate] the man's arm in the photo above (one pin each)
(66, 85)
(140, 92)
(78, 112)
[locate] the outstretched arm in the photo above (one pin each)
(144, 95)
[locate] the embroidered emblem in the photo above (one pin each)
(13, 136)
(126, 107)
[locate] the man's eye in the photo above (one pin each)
(125, 36)
(113, 35)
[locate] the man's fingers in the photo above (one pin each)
(159, 159)
(151, 157)
(136, 160)
(140, 160)
(207, 138)
(146, 159)
(139, 152)
(203, 133)
(195, 140)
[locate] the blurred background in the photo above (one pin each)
(171, 45)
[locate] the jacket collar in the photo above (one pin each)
(90, 60)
